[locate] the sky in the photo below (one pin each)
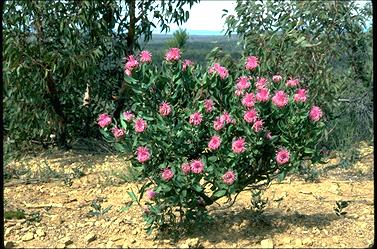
(206, 16)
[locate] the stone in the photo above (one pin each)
(194, 243)
(267, 243)
(7, 231)
(67, 241)
(325, 232)
(40, 232)
(133, 241)
(286, 240)
(307, 242)
(134, 232)
(298, 242)
(90, 237)
(8, 244)
(28, 236)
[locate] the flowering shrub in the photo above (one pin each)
(202, 134)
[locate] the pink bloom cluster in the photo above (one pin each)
(238, 145)
(258, 125)
(186, 168)
(130, 65)
(173, 54)
(221, 120)
(140, 125)
(276, 78)
(260, 83)
(128, 116)
(151, 194)
(214, 143)
(221, 71)
(165, 109)
(280, 99)
(118, 132)
(282, 156)
(229, 177)
(197, 166)
(208, 105)
(263, 94)
(243, 83)
(167, 174)
(104, 120)
(248, 100)
(315, 113)
(300, 95)
(145, 56)
(196, 118)
(292, 82)
(143, 154)
(251, 62)
(250, 116)
(186, 63)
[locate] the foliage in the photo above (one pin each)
(176, 111)
(14, 214)
(179, 40)
(332, 54)
(339, 208)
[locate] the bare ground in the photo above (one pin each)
(299, 214)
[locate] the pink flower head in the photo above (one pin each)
(315, 113)
(186, 168)
(263, 95)
(276, 78)
(292, 82)
(282, 156)
(218, 124)
(250, 116)
(208, 105)
(261, 83)
(225, 117)
(196, 118)
(258, 125)
(128, 116)
(251, 63)
(140, 125)
(243, 83)
(173, 54)
(214, 143)
(280, 99)
(151, 194)
(229, 177)
(118, 132)
(300, 95)
(238, 92)
(165, 109)
(197, 166)
(248, 100)
(167, 174)
(143, 154)
(238, 145)
(186, 63)
(131, 63)
(104, 120)
(145, 56)
(221, 71)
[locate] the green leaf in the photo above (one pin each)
(219, 193)
(132, 195)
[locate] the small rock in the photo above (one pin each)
(323, 244)
(194, 243)
(298, 242)
(109, 244)
(133, 241)
(7, 231)
(134, 232)
(8, 244)
(325, 232)
(286, 240)
(56, 219)
(90, 237)
(67, 241)
(40, 232)
(267, 243)
(28, 236)
(307, 242)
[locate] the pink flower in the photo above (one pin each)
(251, 63)
(300, 95)
(197, 166)
(173, 54)
(128, 116)
(196, 118)
(250, 116)
(145, 56)
(276, 78)
(225, 117)
(292, 82)
(218, 124)
(104, 120)
(238, 92)
(243, 83)
(143, 154)
(261, 83)
(248, 100)
(165, 109)
(186, 63)
(238, 146)
(186, 168)
(208, 105)
(280, 99)
(128, 72)
(315, 113)
(131, 63)
(282, 156)
(151, 195)
(258, 125)
(221, 71)
(214, 143)
(140, 125)
(167, 174)
(117, 132)
(229, 177)
(263, 94)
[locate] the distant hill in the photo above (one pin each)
(197, 32)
